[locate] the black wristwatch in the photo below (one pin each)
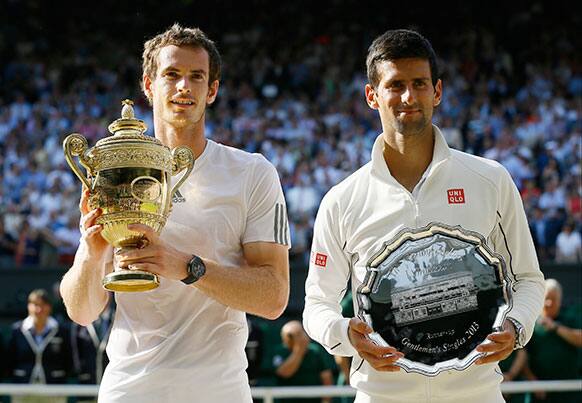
(196, 269)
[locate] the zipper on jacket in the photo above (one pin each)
(428, 389)
(416, 213)
(424, 184)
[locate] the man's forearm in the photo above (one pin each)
(518, 364)
(258, 290)
(572, 336)
(82, 290)
(326, 378)
(291, 365)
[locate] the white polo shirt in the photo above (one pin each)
(369, 208)
(174, 343)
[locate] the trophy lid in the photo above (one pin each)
(129, 146)
(127, 128)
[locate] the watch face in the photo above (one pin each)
(197, 267)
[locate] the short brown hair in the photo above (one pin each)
(399, 44)
(41, 294)
(180, 36)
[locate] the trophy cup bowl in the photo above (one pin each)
(129, 177)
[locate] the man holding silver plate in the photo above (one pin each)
(435, 245)
(221, 249)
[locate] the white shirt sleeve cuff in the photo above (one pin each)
(339, 332)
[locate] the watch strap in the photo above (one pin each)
(196, 269)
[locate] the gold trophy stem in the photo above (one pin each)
(127, 280)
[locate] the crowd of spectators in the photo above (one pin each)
(302, 107)
(301, 104)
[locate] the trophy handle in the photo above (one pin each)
(76, 145)
(183, 158)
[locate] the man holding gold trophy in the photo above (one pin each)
(434, 244)
(201, 249)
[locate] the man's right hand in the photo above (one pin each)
(380, 358)
(300, 341)
(90, 230)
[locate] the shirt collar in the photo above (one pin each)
(201, 160)
(441, 153)
(28, 324)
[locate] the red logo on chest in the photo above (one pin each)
(456, 196)
(320, 259)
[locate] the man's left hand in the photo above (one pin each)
(498, 346)
(548, 323)
(155, 256)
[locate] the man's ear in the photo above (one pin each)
(371, 97)
(147, 87)
(438, 93)
(212, 92)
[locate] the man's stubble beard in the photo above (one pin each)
(187, 120)
(413, 128)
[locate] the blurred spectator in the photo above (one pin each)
(302, 198)
(28, 246)
(300, 230)
(538, 225)
(554, 349)
(344, 363)
(530, 194)
(554, 221)
(568, 245)
(452, 133)
(88, 348)
(4, 376)
(67, 239)
(513, 368)
(298, 362)
(39, 349)
(301, 108)
(254, 351)
(7, 247)
(553, 196)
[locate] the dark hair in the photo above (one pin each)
(180, 36)
(42, 294)
(399, 44)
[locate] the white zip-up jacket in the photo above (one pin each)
(369, 208)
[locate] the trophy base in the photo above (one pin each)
(130, 281)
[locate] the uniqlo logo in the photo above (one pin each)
(456, 196)
(320, 259)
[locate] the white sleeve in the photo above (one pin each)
(329, 271)
(266, 209)
(512, 239)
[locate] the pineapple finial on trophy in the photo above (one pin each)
(127, 110)
(128, 125)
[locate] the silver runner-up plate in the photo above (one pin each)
(434, 293)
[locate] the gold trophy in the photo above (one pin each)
(129, 177)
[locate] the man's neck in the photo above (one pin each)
(39, 326)
(408, 157)
(190, 136)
